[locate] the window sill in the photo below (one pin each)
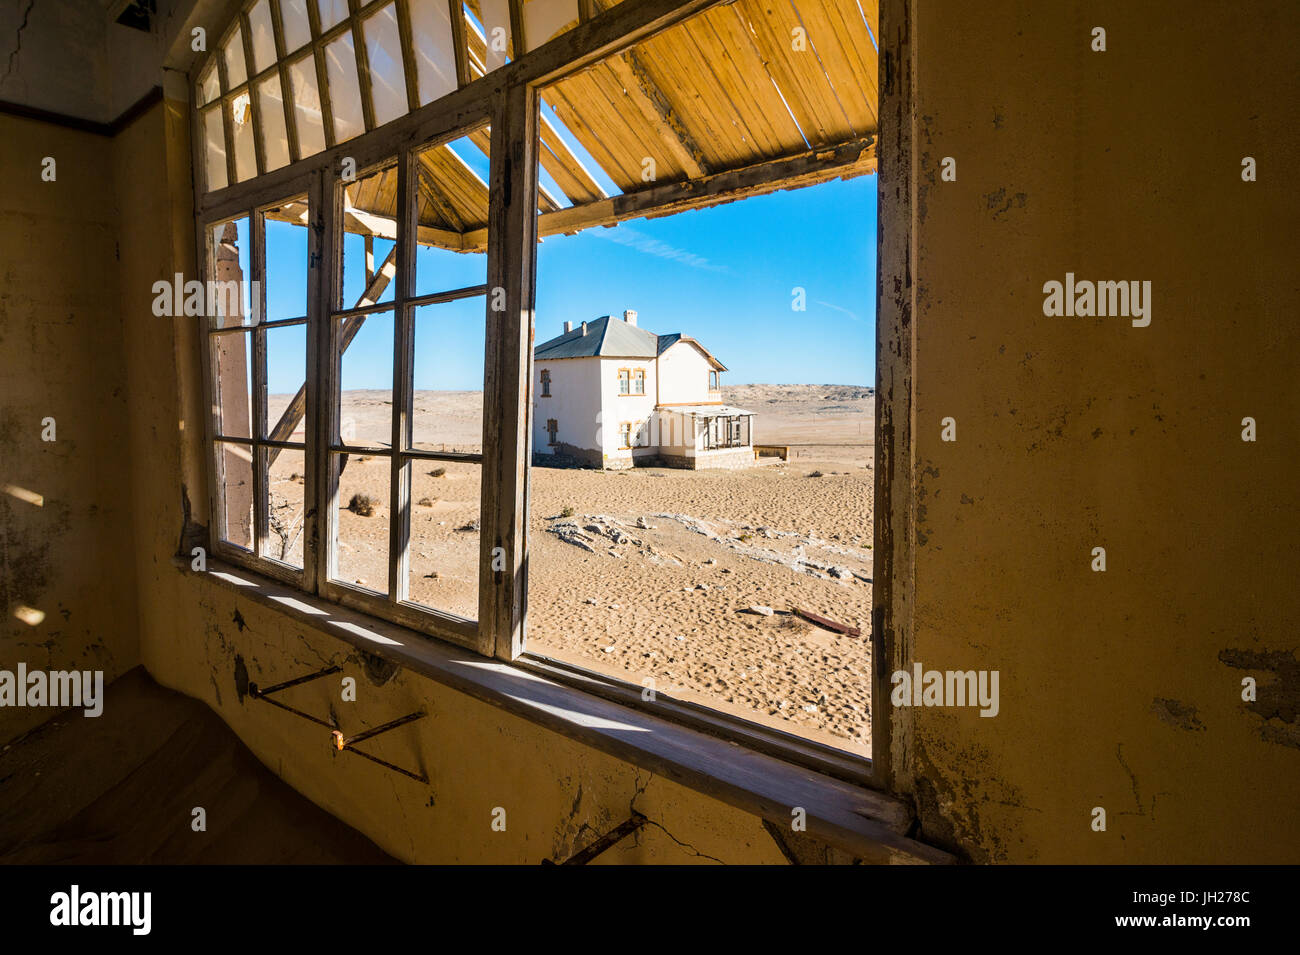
(866, 823)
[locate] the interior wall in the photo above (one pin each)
(199, 638)
(67, 546)
(1119, 689)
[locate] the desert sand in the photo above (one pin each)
(651, 573)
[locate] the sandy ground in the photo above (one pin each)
(650, 574)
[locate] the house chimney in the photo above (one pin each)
(584, 328)
(568, 327)
(629, 316)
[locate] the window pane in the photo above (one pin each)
(275, 138)
(365, 389)
(345, 93)
(435, 50)
(384, 55)
(286, 370)
(444, 541)
(286, 260)
(294, 24)
(259, 28)
(284, 470)
(331, 12)
(494, 17)
(241, 124)
(306, 105)
(214, 148)
(234, 466)
(453, 198)
(448, 381)
(233, 52)
(363, 517)
(369, 260)
(231, 296)
(544, 19)
(209, 87)
(232, 384)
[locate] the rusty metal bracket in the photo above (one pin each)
(338, 742)
(608, 840)
(344, 744)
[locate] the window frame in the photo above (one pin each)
(508, 98)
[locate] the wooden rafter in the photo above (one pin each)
(846, 161)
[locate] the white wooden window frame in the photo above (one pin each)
(508, 99)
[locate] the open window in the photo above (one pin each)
(399, 347)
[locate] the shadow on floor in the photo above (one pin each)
(120, 789)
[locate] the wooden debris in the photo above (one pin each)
(827, 623)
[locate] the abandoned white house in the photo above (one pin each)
(612, 394)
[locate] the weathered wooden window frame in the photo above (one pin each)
(508, 98)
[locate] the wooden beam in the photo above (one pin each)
(650, 101)
(512, 266)
(460, 40)
(846, 161)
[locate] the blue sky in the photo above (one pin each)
(724, 275)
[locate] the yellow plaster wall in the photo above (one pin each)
(1119, 689)
(61, 357)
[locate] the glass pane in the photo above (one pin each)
(363, 517)
(284, 470)
(494, 20)
(453, 199)
(331, 12)
(294, 24)
(444, 542)
(208, 85)
(369, 256)
(275, 138)
(384, 54)
(345, 93)
(435, 50)
(286, 260)
(544, 19)
(235, 493)
(365, 393)
(306, 105)
(241, 124)
(286, 371)
(230, 297)
(232, 384)
(448, 381)
(259, 28)
(233, 52)
(214, 148)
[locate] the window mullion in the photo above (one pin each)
(246, 34)
(257, 301)
(507, 443)
(316, 340)
(325, 262)
(399, 526)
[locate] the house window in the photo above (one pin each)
(713, 381)
(624, 381)
(625, 435)
(546, 385)
(638, 382)
(552, 429)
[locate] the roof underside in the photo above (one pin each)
(748, 97)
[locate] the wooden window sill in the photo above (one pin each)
(866, 823)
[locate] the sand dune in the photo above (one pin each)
(649, 574)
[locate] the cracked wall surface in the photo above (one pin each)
(1119, 689)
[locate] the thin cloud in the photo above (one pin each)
(838, 308)
(662, 250)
